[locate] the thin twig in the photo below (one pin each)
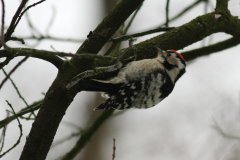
(116, 46)
(33, 107)
(51, 20)
(70, 124)
(206, 6)
(2, 24)
(167, 13)
(111, 49)
(7, 60)
(114, 149)
(2, 139)
(20, 128)
(11, 72)
(18, 92)
(42, 37)
(32, 28)
(11, 28)
(36, 53)
(17, 39)
(14, 85)
(226, 135)
(127, 37)
(184, 11)
(20, 16)
(131, 20)
(65, 139)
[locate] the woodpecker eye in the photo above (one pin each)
(169, 54)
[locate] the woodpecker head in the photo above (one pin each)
(173, 62)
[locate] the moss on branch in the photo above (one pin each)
(187, 34)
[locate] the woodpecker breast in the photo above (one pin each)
(144, 83)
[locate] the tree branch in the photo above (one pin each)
(86, 135)
(203, 51)
(232, 26)
(25, 10)
(2, 138)
(20, 136)
(109, 26)
(167, 13)
(2, 25)
(33, 107)
(184, 11)
(187, 34)
(9, 74)
(127, 37)
(222, 133)
(47, 37)
(17, 17)
(41, 54)
(50, 56)
(131, 20)
(222, 5)
(12, 26)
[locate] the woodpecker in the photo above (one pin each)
(143, 83)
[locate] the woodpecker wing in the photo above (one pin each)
(101, 86)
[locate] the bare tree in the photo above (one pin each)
(57, 99)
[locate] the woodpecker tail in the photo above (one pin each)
(109, 104)
(124, 97)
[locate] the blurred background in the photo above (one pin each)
(199, 120)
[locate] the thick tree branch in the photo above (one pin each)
(196, 53)
(222, 5)
(187, 34)
(232, 26)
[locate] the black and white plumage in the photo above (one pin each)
(142, 84)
